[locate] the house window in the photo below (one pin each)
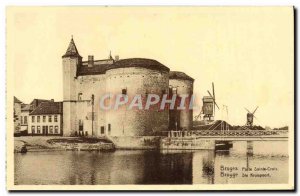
(25, 120)
(38, 119)
(56, 129)
(55, 118)
(33, 129)
(44, 118)
(102, 130)
(38, 129)
(79, 96)
(50, 118)
(32, 118)
(124, 91)
(21, 120)
(51, 129)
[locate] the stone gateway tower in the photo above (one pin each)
(85, 83)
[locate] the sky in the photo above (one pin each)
(246, 51)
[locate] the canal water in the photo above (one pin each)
(246, 163)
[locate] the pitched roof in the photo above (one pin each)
(48, 108)
(25, 107)
(72, 50)
(38, 101)
(16, 100)
(179, 75)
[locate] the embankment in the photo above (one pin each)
(61, 143)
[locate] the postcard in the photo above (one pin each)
(150, 98)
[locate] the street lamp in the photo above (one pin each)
(92, 99)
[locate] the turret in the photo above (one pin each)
(71, 60)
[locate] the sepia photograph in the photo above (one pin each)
(150, 98)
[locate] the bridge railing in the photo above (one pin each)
(225, 133)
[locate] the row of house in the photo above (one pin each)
(40, 117)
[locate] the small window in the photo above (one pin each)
(79, 96)
(33, 129)
(38, 129)
(38, 119)
(102, 130)
(174, 90)
(25, 120)
(51, 129)
(32, 118)
(56, 130)
(55, 118)
(21, 119)
(44, 118)
(50, 118)
(124, 91)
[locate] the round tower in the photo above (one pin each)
(131, 77)
(181, 84)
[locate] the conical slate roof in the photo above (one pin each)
(72, 50)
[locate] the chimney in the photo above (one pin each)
(90, 61)
(116, 57)
(52, 100)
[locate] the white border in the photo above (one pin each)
(5, 3)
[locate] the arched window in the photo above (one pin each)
(79, 96)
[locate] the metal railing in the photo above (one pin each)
(222, 133)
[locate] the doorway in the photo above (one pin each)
(102, 130)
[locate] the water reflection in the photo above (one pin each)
(203, 167)
(153, 167)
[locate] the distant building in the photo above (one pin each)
(17, 115)
(46, 119)
(25, 110)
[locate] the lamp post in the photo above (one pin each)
(92, 99)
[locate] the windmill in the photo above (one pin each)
(209, 104)
(250, 116)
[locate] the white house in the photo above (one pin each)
(46, 119)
